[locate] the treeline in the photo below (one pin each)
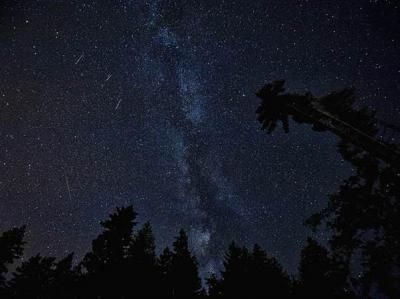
(123, 263)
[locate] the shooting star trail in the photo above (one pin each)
(67, 183)
(119, 102)
(80, 58)
(108, 77)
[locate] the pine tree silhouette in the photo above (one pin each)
(33, 278)
(124, 265)
(236, 272)
(107, 264)
(250, 275)
(42, 277)
(183, 273)
(320, 275)
(267, 276)
(142, 263)
(11, 248)
(65, 279)
(164, 263)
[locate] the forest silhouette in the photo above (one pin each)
(361, 260)
(123, 263)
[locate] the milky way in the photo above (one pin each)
(151, 103)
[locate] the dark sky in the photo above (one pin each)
(151, 103)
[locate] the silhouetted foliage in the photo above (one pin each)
(65, 279)
(249, 275)
(183, 272)
(363, 215)
(305, 108)
(124, 264)
(272, 111)
(11, 248)
(33, 278)
(320, 276)
(142, 263)
(164, 263)
(267, 275)
(42, 277)
(121, 264)
(106, 265)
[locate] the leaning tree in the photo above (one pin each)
(363, 214)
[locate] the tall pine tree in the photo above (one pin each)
(142, 263)
(320, 275)
(250, 275)
(164, 263)
(183, 272)
(106, 265)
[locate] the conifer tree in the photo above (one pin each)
(65, 279)
(235, 273)
(363, 215)
(164, 263)
(320, 275)
(185, 281)
(11, 248)
(250, 274)
(33, 278)
(142, 263)
(106, 265)
(266, 276)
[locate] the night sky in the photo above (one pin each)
(151, 103)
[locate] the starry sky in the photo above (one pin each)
(151, 103)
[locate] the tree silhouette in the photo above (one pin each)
(164, 263)
(142, 263)
(106, 265)
(183, 271)
(272, 111)
(267, 275)
(124, 264)
(363, 214)
(328, 112)
(42, 277)
(249, 275)
(320, 275)
(65, 279)
(33, 278)
(11, 248)
(236, 272)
